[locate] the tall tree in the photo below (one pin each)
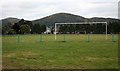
(16, 27)
(24, 29)
(6, 28)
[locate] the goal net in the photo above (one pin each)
(58, 26)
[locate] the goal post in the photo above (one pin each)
(79, 23)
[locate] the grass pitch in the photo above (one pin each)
(75, 53)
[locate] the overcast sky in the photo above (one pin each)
(35, 9)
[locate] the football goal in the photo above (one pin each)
(79, 23)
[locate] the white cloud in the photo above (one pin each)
(34, 9)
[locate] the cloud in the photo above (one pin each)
(34, 9)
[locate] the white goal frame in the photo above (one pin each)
(80, 23)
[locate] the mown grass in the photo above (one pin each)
(75, 53)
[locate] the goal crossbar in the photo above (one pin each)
(80, 23)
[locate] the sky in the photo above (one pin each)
(35, 9)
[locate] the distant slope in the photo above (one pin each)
(9, 20)
(67, 18)
(99, 19)
(59, 18)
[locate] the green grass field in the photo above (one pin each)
(75, 53)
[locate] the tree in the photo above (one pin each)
(6, 28)
(11, 31)
(21, 22)
(30, 24)
(16, 27)
(37, 28)
(116, 27)
(61, 29)
(24, 29)
(43, 28)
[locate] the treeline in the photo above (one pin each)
(23, 27)
(90, 28)
(27, 27)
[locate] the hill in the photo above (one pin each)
(99, 19)
(60, 18)
(9, 20)
(68, 18)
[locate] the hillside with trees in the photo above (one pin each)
(21, 26)
(70, 18)
(59, 18)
